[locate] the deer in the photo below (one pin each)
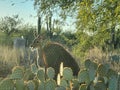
(51, 54)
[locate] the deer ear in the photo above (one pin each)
(35, 34)
(40, 37)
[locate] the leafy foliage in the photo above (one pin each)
(98, 25)
(10, 24)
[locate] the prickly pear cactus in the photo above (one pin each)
(19, 85)
(118, 80)
(75, 84)
(50, 85)
(91, 67)
(113, 83)
(102, 69)
(83, 87)
(63, 83)
(87, 63)
(115, 58)
(1, 79)
(111, 73)
(60, 88)
(100, 86)
(6, 84)
(28, 75)
(67, 73)
(17, 73)
(91, 86)
(50, 72)
(41, 86)
(34, 68)
(31, 85)
(36, 83)
(41, 74)
(83, 76)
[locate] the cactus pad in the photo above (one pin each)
(6, 84)
(50, 85)
(34, 68)
(67, 73)
(50, 72)
(17, 73)
(83, 76)
(20, 85)
(41, 74)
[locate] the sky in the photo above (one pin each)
(24, 10)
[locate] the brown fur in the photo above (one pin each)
(53, 54)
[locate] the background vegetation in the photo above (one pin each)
(96, 36)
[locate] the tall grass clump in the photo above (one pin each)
(9, 57)
(97, 55)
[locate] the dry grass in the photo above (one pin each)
(97, 54)
(9, 55)
(116, 67)
(9, 58)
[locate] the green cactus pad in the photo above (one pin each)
(1, 79)
(92, 71)
(28, 75)
(118, 80)
(63, 83)
(34, 68)
(20, 85)
(105, 80)
(91, 67)
(31, 85)
(83, 87)
(83, 76)
(111, 73)
(100, 86)
(102, 71)
(60, 88)
(50, 85)
(41, 74)
(36, 82)
(6, 84)
(50, 72)
(91, 86)
(113, 83)
(87, 63)
(41, 86)
(17, 73)
(100, 78)
(75, 84)
(67, 73)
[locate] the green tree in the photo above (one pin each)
(98, 20)
(49, 8)
(9, 24)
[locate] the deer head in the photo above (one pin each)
(37, 42)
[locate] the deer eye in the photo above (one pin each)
(37, 41)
